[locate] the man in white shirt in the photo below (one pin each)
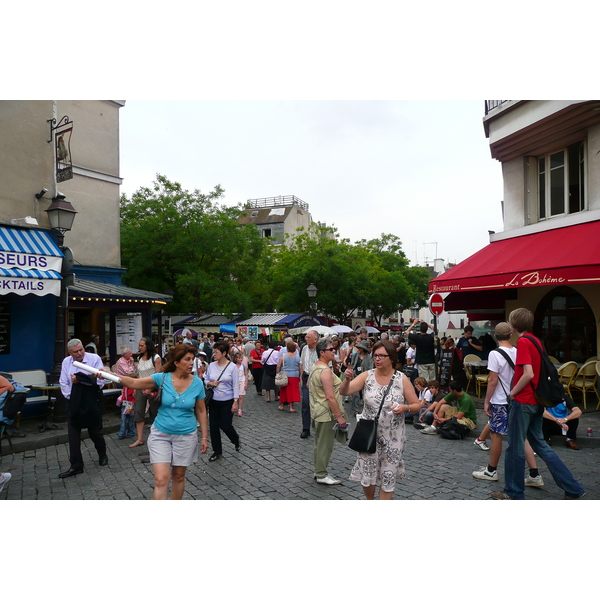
(308, 357)
(501, 365)
(80, 388)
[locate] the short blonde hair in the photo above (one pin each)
(521, 319)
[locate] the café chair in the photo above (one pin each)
(586, 379)
(469, 370)
(554, 360)
(566, 375)
(481, 381)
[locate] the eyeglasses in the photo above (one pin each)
(329, 349)
(380, 356)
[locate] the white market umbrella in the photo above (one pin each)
(368, 328)
(321, 329)
(342, 328)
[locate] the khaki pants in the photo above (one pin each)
(324, 439)
(452, 411)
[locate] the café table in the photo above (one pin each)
(51, 389)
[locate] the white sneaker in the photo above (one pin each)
(328, 480)
(430, 430)
(485, 475)
(4, 479)
(534, 481)
(481, 444)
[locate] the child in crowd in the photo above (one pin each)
(127, 403)
(430, 400)
(241, 362)
(200, 364)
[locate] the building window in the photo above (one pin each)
(561, 182)
(266, 232)
(565, 322)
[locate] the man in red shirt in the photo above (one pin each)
(525, 420)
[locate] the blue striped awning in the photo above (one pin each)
(35, 273)
(30, 262)
(28, 241)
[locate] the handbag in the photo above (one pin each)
(281, 379)
(157, 398)
(209, 392)
(364, 438)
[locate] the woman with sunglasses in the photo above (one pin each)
(326, 411)
(385, 466)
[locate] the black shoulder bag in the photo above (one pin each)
(209, 391)
(364, 438)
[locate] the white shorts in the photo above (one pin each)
(176, 450)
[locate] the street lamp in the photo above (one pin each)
(312, 290)
(61, 215)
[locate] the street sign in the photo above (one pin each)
(436, 305)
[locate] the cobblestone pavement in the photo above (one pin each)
(275, 463)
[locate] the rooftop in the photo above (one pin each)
(277, 201)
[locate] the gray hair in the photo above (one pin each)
(126, 350)
(74, 342)
(314, 332)
(322, 345)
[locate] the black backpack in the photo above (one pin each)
(453, 430)
(14, 401)
(549, 391)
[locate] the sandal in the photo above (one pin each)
(292, 410)
(137, 443)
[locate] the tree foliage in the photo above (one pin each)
(372, 275)
(185, 243)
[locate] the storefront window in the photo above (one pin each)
(565, 323)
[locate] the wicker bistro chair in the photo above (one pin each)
(481, 381)
(585, 381)
(553, 360)
(566, 374)
(469, 370)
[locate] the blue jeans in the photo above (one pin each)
(127, 424)
(525, 422)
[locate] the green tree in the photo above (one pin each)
(393, 284)
(185, 243)
(372, 275)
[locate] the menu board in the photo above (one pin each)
(129, 331)
(446, 367)
(4, 325)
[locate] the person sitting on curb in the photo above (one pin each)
(431, 400)
(456, 404)
(562, 419)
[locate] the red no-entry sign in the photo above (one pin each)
(436, 304)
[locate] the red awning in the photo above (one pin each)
(565, 256)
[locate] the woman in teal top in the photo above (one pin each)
(173, 440)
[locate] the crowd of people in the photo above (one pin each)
(200, 384)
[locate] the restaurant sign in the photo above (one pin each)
(61, 133)
(566, 276)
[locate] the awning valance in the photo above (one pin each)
(30, 262)
(565, 256)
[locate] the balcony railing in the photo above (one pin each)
(277, 201)
(492, 104)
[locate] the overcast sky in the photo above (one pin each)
(420, 170)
